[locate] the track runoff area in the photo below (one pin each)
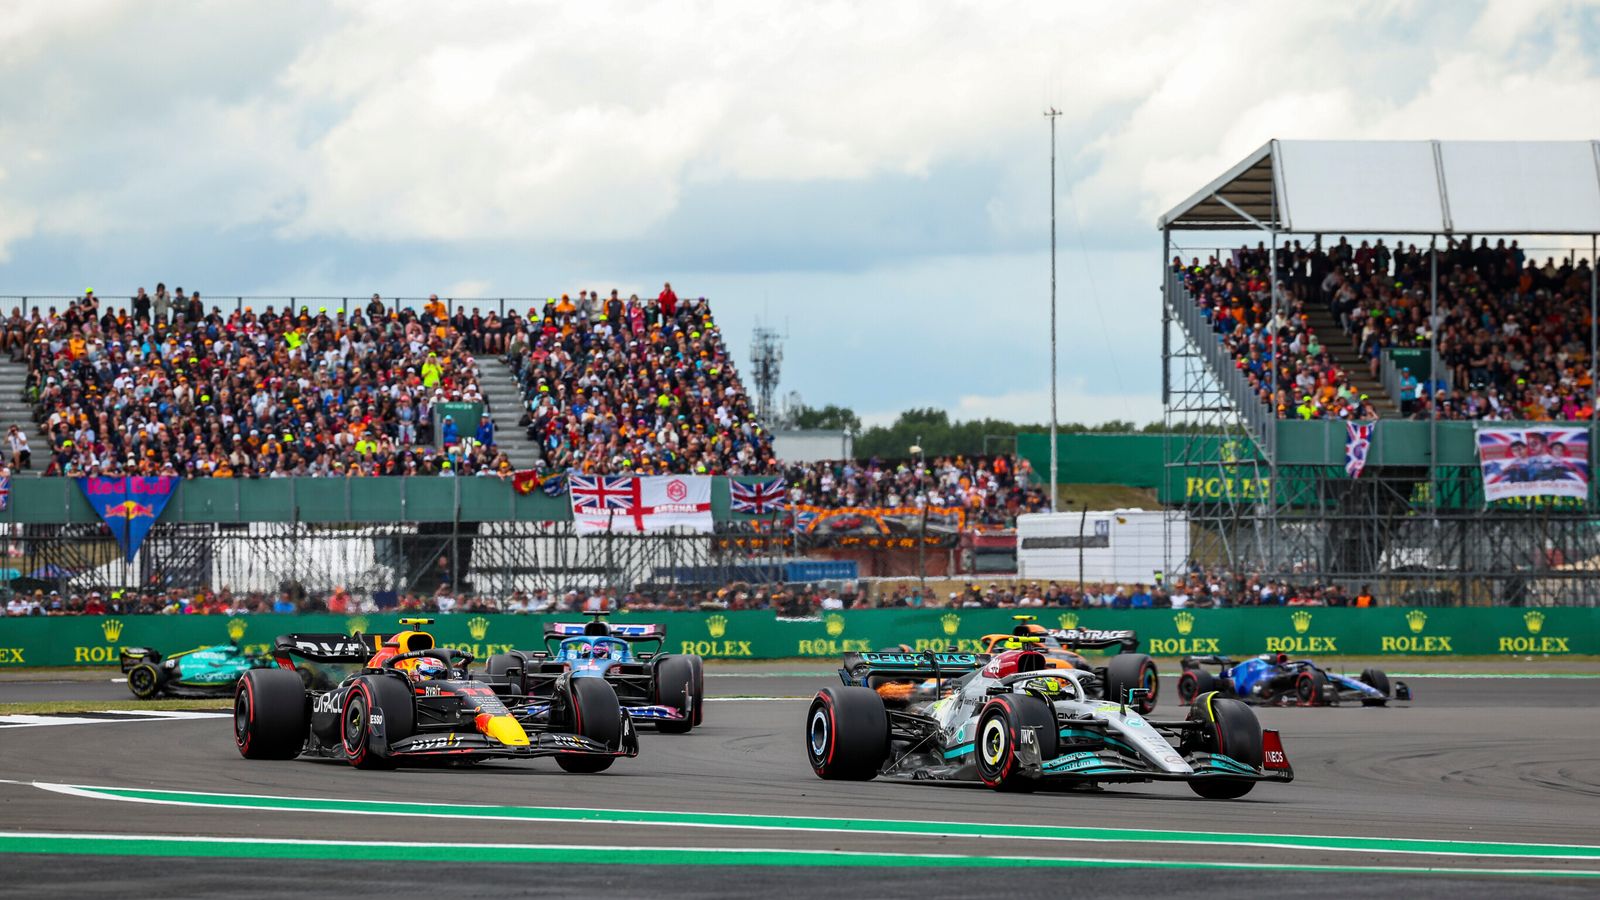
(1484, 783)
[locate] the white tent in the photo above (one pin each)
(1404, 187)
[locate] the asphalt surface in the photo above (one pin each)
(1472, 760)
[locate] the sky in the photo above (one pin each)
(870, 179)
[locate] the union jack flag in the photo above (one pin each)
(1357, 441)
(5, 492)
(602, 492)
(757, 497)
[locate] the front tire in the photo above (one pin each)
(270, 715)
(999, 737)
(1230, 728)
(674, 687)
(144, 680)
(596, 715)
(1378, 681)
(847, 734)
(1136, 671)
(1308, 689)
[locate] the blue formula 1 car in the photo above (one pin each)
(201, 672)
(1275, 679)
(666, 689)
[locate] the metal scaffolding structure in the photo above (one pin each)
(1414, 528)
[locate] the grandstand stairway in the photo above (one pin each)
(504, 396)
(13, 409)
(1348, 357)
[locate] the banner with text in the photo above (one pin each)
(640, 504)
(1310, 632)
(1534, 462)
(129, 506)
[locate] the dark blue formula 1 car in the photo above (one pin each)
(1275, 679)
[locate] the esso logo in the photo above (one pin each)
(677, 490)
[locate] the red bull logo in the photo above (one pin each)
(129, 509)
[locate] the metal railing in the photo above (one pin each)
(1257, 416)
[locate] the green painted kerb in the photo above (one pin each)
(864, 826)
(252, 848)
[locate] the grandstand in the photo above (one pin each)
(1387, 286)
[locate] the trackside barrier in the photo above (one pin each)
(95, 640)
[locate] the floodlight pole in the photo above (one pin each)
(1052, 114)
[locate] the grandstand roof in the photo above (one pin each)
(1403, 187)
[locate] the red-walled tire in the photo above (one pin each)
(270, 718)
(1308, 689)
(847, 734)
(1194, 682)
(999, 735)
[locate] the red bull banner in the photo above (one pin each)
(129, 506)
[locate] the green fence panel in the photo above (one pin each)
(429, 499)
(1384, 631)
(466, 416)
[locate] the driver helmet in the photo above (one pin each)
(430, 669)
(1281, 659)
(601, 650)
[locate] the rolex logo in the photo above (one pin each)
(717, 625)
(950, 622)
(834, 623)
(111, 628)
(1184, 621)
(358, 625)
(236, 628)
(1069, 621)
(1416, 619)
(1534, 620)
(478, 627)
(1302, 622)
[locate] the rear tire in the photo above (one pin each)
(1133, 670)
(847, 734)
(596, 715)
(1000, 735)
(674, 687)
(270, 715)
(1231, 729)
(699, 689)
(144, 680)
(1194, 682)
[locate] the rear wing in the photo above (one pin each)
(329, 648)
(1097, 639)
(858, 667)
(628, 632)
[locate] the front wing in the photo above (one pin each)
(479, 746)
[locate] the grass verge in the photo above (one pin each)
(46, 707)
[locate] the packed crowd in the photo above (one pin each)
(993, 489)
(165, 387)
(1512, 334)
(618, 386)
(1198, 589)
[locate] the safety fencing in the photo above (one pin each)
(96, 640)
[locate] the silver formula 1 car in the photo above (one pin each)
(1014, 724)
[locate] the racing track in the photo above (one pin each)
(1483, 763)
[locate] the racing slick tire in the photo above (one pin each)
(270, 715)
(596, 715)
(847, 734)
(1308, 689)
(999, 735)
(1230, 728)
(144, 680)
(1194, 682)
(1133, 670)
(1377, 680)
(699, 666)
(387, 696)
(499, 664)
(674, 687)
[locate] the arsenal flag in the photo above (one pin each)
(634, 504)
